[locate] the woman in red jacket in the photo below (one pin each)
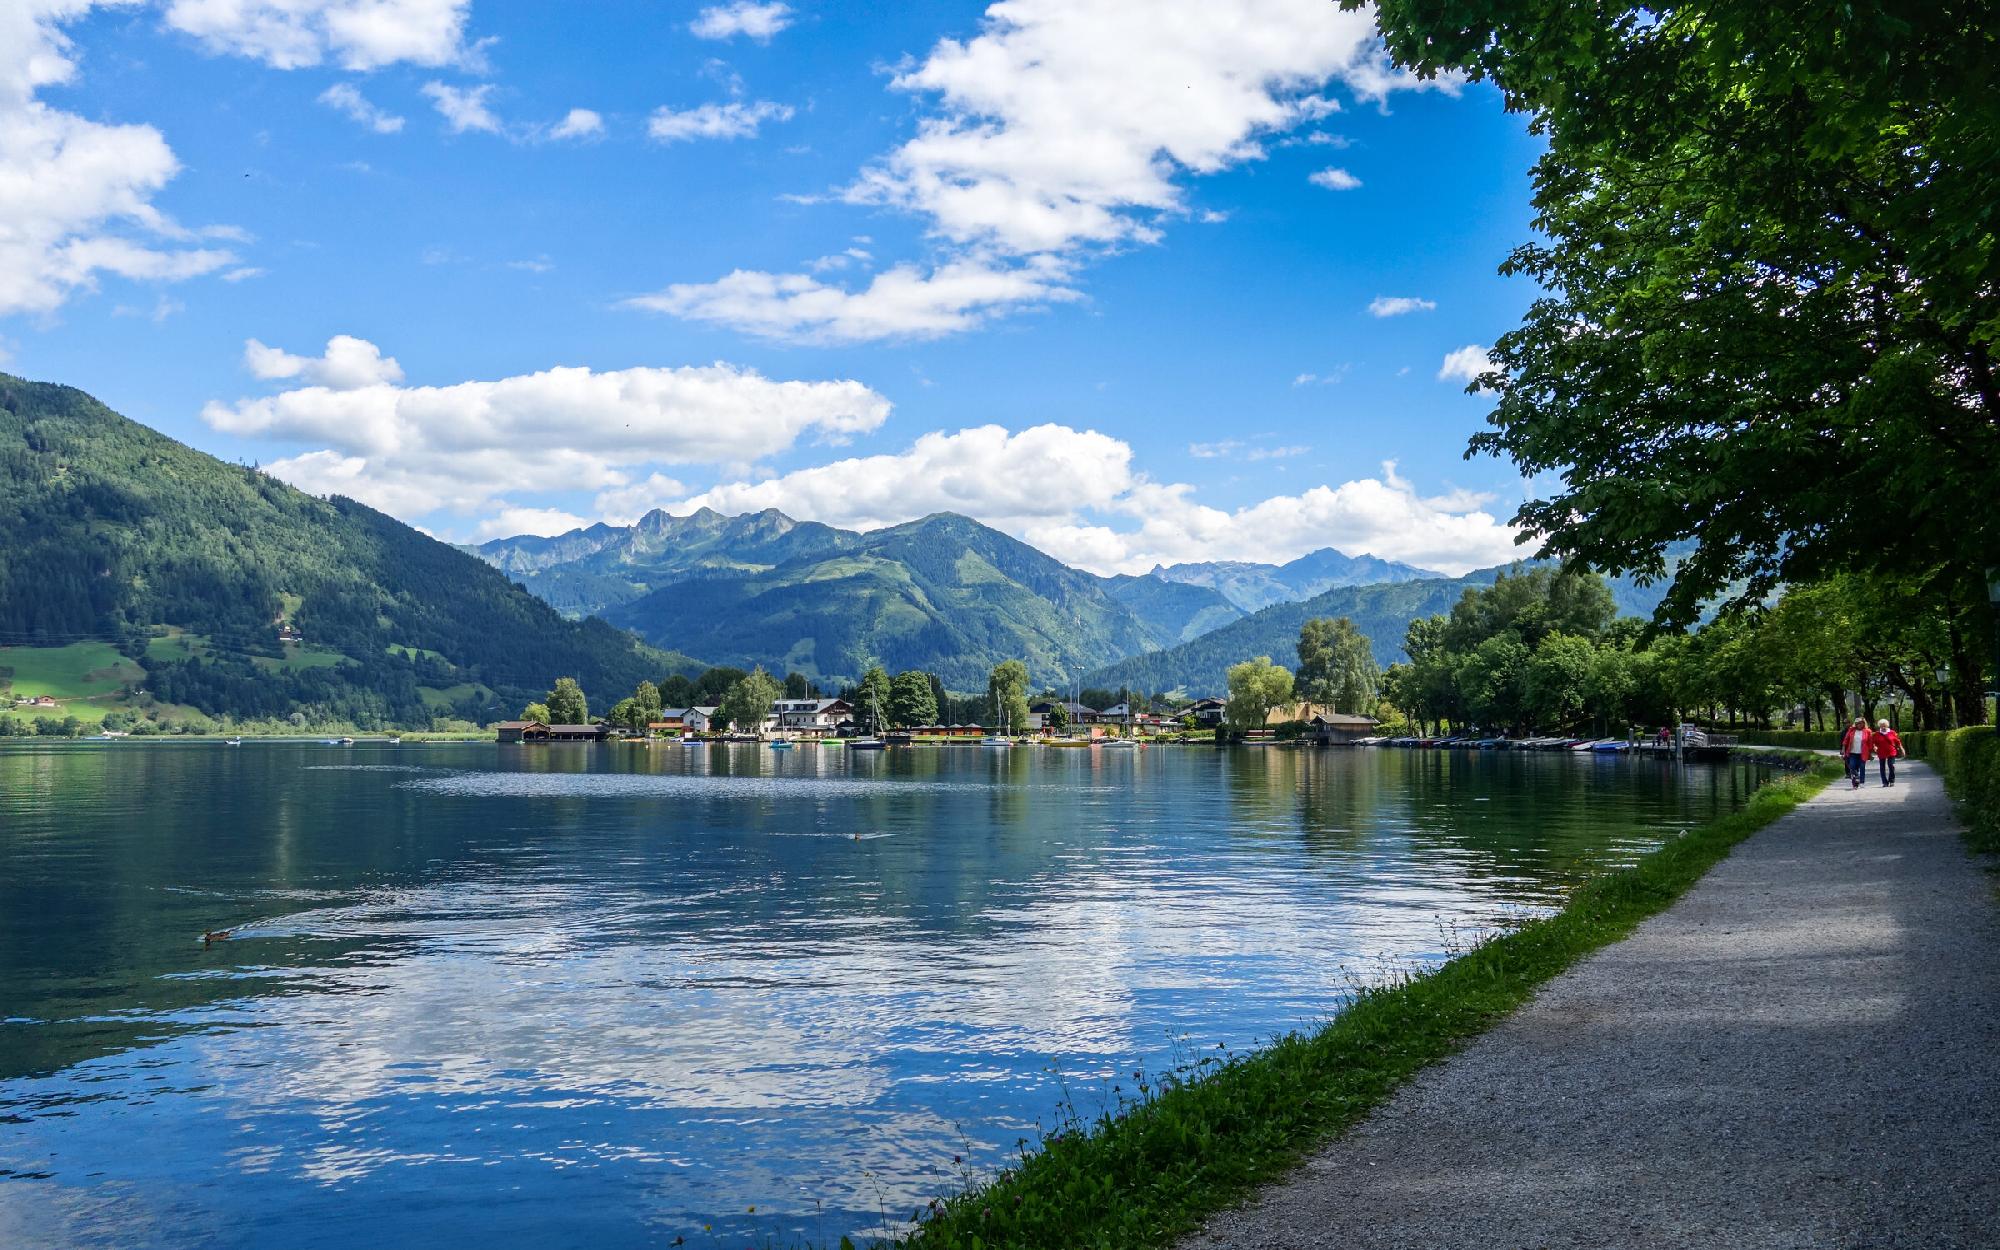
(1854, 749)
(1885, 744)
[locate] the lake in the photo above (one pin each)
(611, 996)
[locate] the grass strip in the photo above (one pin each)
(1201, 1140)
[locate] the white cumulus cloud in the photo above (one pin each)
(903, 302)
(1466, 364)
(745, 17)
(76, 195)
(463, 108)
(1398, 305)
(578, 124)
(347, 364)
(357, 34)
(1334, 179)
(734, 120)
(1078, 495)
(1005, 479)
(415, 449)
(1067, 127)
(347, 98)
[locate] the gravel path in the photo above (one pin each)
(1803, 1052)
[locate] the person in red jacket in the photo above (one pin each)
(1854, 749)
(1885, 744)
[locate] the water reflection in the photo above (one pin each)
(607, 995)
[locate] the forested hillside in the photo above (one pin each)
(944, 594)
(192, 567)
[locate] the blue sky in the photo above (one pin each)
(1137, 282)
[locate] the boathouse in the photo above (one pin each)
(536, 731)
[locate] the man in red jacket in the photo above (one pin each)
(1854, 749)
(1885, 744)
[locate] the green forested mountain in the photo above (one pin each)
(1383, 612)
(944, 594)
(1252, 587)
(586, 571)
(1172, 612)
(116, 534)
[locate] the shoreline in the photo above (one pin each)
(1195, 1146)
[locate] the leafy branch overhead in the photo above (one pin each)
(1767, 244)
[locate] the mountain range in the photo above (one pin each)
(944, 593)
(236, 593)
(1252, 587)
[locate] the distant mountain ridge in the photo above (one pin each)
(1253, 587)
(944, 593)
(951, 595)
(1383, 612)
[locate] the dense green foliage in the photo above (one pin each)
(566, 703)
(748, 701)
(1969, 758)
(1191, 1142)
(1255, 688)
(944, 595)
(113, 530)
(1337, 666)
(1769, 246)
(1007, 695)
(912, 701)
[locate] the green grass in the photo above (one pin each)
(448, 697)
(1191, 1143)
(83, 670)
(411, 653)
(298, 656)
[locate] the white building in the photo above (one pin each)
(810, 716)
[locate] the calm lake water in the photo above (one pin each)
(606, 996)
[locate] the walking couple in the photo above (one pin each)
(1861, 744)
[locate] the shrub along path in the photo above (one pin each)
(1802, 1052)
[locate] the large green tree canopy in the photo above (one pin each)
(1770, 297)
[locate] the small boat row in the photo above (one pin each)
(1477, 742)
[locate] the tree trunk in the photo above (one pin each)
(1968, 667)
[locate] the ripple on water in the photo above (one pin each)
(654, 785)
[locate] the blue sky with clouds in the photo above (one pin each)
(1136, 280)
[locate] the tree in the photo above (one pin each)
(1337, 665)
(911, 701)
(1767, 246)
(1057, 717)
(797, 686)
(536, 712)
(623, 713)
(1558, 680)
(1007, 695)
(713, 684)
(676, 691)
(748, 701)
(566, 704)
(871, 698)
(1255, 687)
